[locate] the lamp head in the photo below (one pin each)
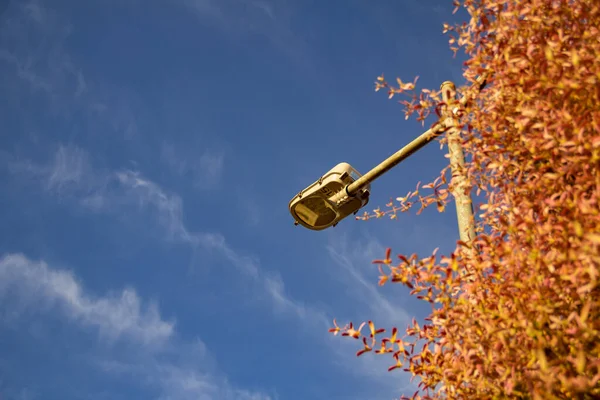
(317, 207)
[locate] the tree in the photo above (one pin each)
(520, 316)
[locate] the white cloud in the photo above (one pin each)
(204, 7)
(67, 174)
(355, 259)
(192, 384)
(115, 315)
(342, 351)
(9, 393)
(34, 58)
(190, 379)
(282, 302)
(170, 216)
(231, 11)
(70, 174)
(31, 44)
(148, 195)
(68, 168)
(169, 213)
(203, 171)
(128, 188)
(211, 165)
(248, 205)
(122, 316)
(36, 12)
(183, 384)
(269, 19)
(24, 72)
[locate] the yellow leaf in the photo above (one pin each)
(541, 356)
(578, 229)
(580, 362)
(593, 237)
(454, 265)
(585, 311)
(575, 58)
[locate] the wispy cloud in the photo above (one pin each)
(354, 258)
(10, 393)
(36, 12)
(169, 212)
(31, 44)
(68, 168)
(275, 287)
(203, 171)
(168, 209)
(33, 50)
(123, 316)
(182, 381)
(239, 14)
(251, 211)
(269, 19)
(150, 202)
(114, 315)
(127, 188)
(187, 384)
(66, 174)
(24, 72)
(248, 205)
(69, 174)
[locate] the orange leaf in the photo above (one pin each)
(366, 349)
(440, 206)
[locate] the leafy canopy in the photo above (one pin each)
(519, 317)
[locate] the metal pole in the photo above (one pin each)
(396, 158)
(459, 184)
(426, 137)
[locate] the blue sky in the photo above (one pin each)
(149, 151)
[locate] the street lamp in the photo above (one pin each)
(343, 190)
(320, 205)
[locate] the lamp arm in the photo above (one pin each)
(405, 152)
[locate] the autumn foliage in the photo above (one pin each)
(519, 317)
